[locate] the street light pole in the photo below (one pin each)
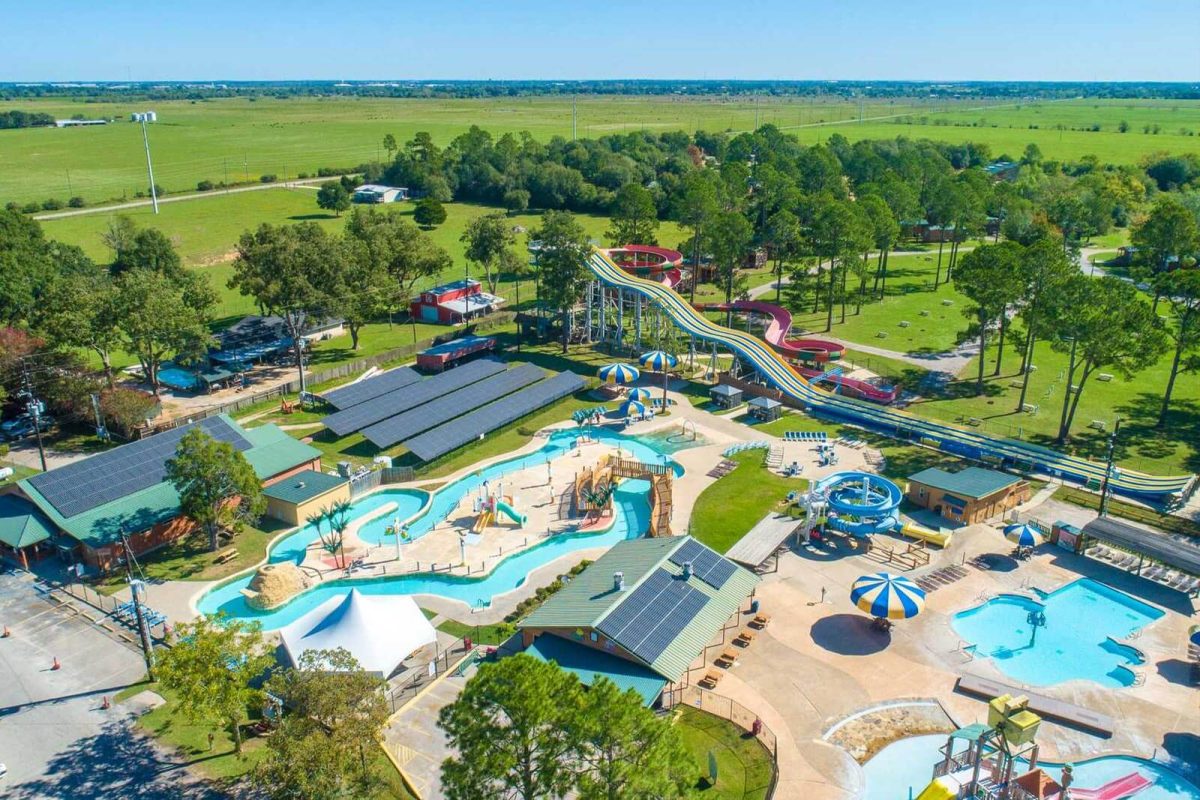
(136, 588)
(1108, 468)
(149, 165)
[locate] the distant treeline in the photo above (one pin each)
(24, 119)
(465, 89)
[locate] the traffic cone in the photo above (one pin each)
(55, 666)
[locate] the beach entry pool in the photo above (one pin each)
(672, 440)
(631, 518)
(1071, 634)
(904, 768)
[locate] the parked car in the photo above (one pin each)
(22, 426)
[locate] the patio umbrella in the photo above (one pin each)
(659, 361)
(640, 393)
(1022, 534)
(633, 408)
(887, 596)
(1194, 635)
(619, 374)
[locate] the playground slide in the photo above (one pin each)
(484, 519)
(510, 512)
(871, 499)
(938, 790)
(810, 351)
(926, 535)
(1118, 789)
(949, 438)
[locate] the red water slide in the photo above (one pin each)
(1118, 789)
(808, 351)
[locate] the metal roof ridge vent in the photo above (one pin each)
(618, 581)
(687, 570)
(300, 484)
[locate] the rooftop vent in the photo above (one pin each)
(618, 581)
(687, 570)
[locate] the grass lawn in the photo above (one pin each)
(19, 473)
(729, 508)
(744, 766)
(221, 764)
(480, 634)
(1119, 508)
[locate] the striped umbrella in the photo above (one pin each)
(658, 360)
(1194, 635)
(1022, 534)
(619, 374)
(639, 393)
(632, 408)
(887, 596)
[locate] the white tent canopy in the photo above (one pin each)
(378, 630)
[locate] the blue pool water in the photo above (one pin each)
(1081, 620)
(631, 518)
(670, 440)
(177, 378)
(902, 769)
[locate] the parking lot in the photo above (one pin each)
(55, 738)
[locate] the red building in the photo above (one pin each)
(453, 303)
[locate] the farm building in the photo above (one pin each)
(78, 123)
(455, 302)
(123, 492)
(968, 496)
(643, 615)
(445, 355)
(377, 193)
(1003, 170)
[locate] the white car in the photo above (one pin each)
(3, 770)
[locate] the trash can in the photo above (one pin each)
(754, 606)
(466, 642)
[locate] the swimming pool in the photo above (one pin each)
(631, 519)
(178, 378)
(906, 766)
(1070, 635)
(671, 440)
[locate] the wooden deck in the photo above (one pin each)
(1047, 707)
(763, 540)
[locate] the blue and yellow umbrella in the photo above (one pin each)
(1022, 534)
(632, 408)
(658, 360)
(639, 393)
(619, 374)
(887, 596)
(1194, 635)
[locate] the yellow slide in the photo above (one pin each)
(937, 790)
(927, 535)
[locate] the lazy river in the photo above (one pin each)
(631, 518)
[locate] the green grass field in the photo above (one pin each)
(727, 509)
(743, 765)
(241, 139)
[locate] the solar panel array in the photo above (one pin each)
(454, 434)
(361, 392)
(398, 401)
(706, 565)
(92, 482)
(649, 619)
(447, 407)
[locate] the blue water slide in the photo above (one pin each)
(871, 500)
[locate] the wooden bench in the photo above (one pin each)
(1048, 707)
(745, 638)
(760, 621)
(727, 658)
(228, 555)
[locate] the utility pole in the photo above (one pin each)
(33, 407)
(70, 191)
(136, 587)
(574, 120)
(1108, 468)
(225, 165)
(149, 164)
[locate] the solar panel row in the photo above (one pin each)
(670, 625)
(706, 565)
(656, 612)
(371, 388)
(447, 407)
(92, 482)
(454, 434)
(396, 402)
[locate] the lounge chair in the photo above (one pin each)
(1180, 581)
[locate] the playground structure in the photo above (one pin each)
(615, 289)
(1000, 762)
(592, 493)
(860, 504)
(490, 506)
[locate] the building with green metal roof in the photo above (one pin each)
(301, 494)
(655, 602)
(23, 528)
(123, 491)
(968, 496)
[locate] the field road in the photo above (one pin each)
(307, 183)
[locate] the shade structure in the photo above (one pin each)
(887, 596)
(638, 393)
(1194, 635)
(380, 631)
(619, 374)
(1023, 534)
(631, 408)
(658, 360)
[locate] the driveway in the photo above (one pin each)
(55, 737)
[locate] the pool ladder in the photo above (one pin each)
(964, 649)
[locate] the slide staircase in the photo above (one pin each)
(949, 438)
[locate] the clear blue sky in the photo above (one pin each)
(766, 39)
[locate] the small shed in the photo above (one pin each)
(725, 396)
(764, 409)
(298, 496)
(441, 357)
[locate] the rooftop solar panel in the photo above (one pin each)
(92, 482)
(360, 416)
(447, 407)
(371, 388)
(706, 565)
(454, 434)
(669, 625)
(638, 600)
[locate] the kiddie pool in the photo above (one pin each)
(630, 519)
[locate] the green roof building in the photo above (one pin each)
(656, 603)
(124, 490)
(968, 496)
(22, 527)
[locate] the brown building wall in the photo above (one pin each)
(975, 511)
(105, 558)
